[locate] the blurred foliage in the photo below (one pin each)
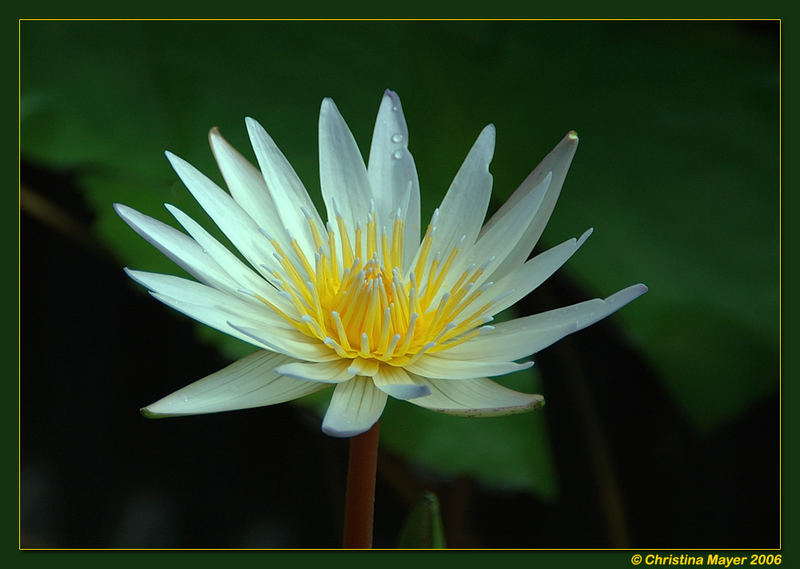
(423, 528)
(677, 169)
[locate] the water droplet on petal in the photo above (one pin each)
(397, 155)
(397, 137)
(185, 399)
(395, 108)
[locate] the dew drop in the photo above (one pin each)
(395, 108)
(185, 399)
(397, 155)
(397, 137)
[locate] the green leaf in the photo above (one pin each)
(423, 528)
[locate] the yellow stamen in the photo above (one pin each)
(340, 331)
(344, 239)
(397, 242)
(376, 311)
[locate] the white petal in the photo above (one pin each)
(464, 206)
(433, 366)
(343, 176)
(522, 337)
(322, 372)
(355, 407)
(210, 316)
(396, 382)
(181, 249)
(520, 282)
(218, 309)
(287, 342)
(196, 293)
(392, 174)
(249, 382)
(288, 192)
(226, 213)
(245, 183)
(238, 271)
(496, 244)
(557, 162)
(479, 397)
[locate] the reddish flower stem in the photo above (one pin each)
(360, 498)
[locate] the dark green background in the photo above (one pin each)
(661, 424)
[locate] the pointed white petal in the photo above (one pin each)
(289, 342)
(496, 244)
(510, 343)
(520, 282)
(342, 173)
(244, 277)
(433, 366)
(217, 309)
(557, 162)
(321, 372)
(287, 191)
(522, 337)
(392, 174)
(210, 316)
(245, 183)
(356, 405)
(464, 206)
(479, 397)
(181, 249)
(396, 382)
(192, 292)
(226, 213)
(249, 382)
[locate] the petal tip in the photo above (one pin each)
(634, 291)
(342, 433)
(328, 104)
(251, 123)
(586, 234)
(175, 161)
(255, 131)
(148, 414)
(406, 391)
(536, 401)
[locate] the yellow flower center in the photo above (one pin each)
(371, 309)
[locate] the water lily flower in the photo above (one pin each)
(366, 301)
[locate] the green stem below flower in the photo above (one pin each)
(360, 498)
